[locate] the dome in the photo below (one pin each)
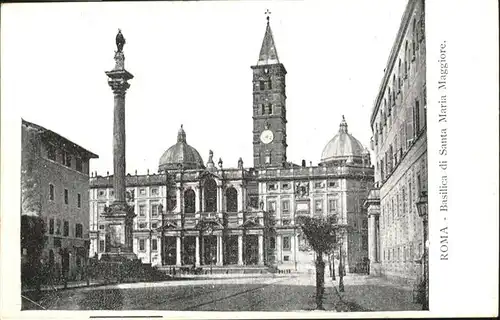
(343, 147)
(180, 154)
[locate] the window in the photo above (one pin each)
(331, 184)
(333, 205)
(271, 186)
(101, 193)
(189, 201)
(142, 225)
(318, 206)
(154, 209)
(51, 192)
(268, 159)
(51, 226)
(66, 229)
(142, 210)
(79, 230)
(417, 117)
(263, 109)
(231, 200)
(66, 196)
(79, 200)
(271, 206)
(272, 242)
(51, 152)
(142, 192)
(286, 243)
(79, 164)
(101, 227)
(285, 206)
(154, 191)
(410, 203)
(154, 244)
(286, 258)
(318, 185)
(58, 226)
(66, 158)
(141, 244)
(262, 85)
(286, 186)
(154, 225)
(100, 207)
(269, 109)
(270, 84)
(101, 245)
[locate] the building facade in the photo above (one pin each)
(201, 213)
(398, 124)
(55, 186)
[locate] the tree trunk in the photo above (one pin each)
(333, 267)
(320, 280)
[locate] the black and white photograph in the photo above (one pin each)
(229, 156)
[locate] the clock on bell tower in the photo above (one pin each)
(269, 106)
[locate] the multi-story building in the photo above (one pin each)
(398, 124)
(55, 179)
(197, 213)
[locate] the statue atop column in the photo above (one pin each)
(120, 41)
(119, 56)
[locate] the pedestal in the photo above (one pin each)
(118, 220)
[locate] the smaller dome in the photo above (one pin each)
(180, 154)
(343, 147)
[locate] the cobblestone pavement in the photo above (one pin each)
(249, 293)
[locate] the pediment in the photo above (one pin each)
(205, 174)
(209, 223)
(251, 223)
(169, 225)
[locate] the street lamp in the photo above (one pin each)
(421, 205)
(341, 262)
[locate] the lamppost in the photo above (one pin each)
(421, 205)
(341, 259)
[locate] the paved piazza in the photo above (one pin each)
(239, 293)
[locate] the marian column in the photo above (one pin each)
(119, 216)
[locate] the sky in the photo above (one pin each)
(191, 65)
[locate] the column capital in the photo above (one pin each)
(119, 86)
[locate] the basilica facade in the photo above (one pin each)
(197, 213)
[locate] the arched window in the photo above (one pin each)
(210, 193)
(231, 200)
(189, 201)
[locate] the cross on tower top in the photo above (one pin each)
(267, 13)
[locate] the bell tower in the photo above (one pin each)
(269, 106)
